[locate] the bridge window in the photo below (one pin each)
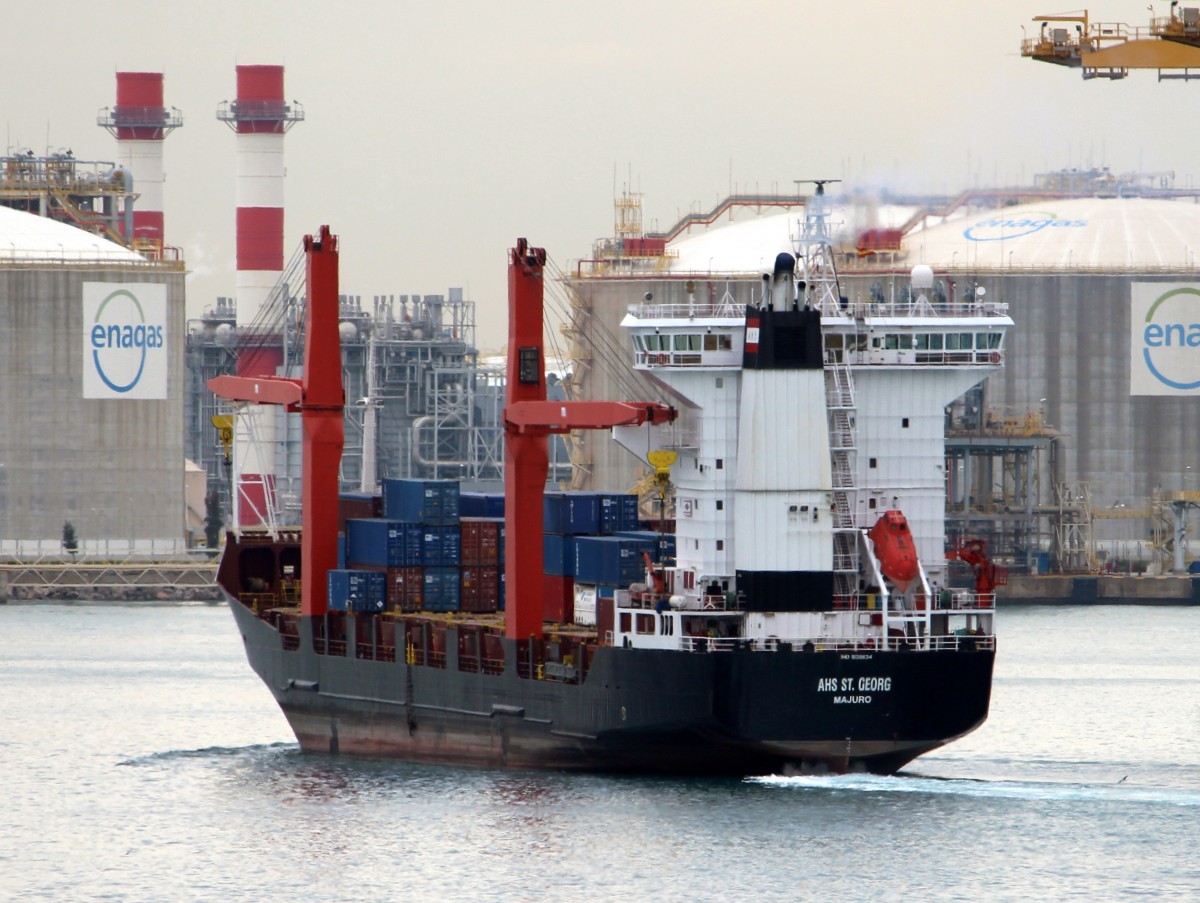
(958, 341)
(645, 624)
(987, 340)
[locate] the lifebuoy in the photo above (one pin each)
(994, 357)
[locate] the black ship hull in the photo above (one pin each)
(643, 710)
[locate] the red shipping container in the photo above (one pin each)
(558, 598)
(479, 589)
(480, 541)
(468, 589)
(355, 506)
(405, 586)
(489, 588)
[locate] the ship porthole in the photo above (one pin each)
(622, 713)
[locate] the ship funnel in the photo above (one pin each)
(783, 292)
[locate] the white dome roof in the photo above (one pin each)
(26, 236)
(750, 246)
(1087, 233)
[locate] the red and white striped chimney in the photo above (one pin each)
(260, 116)
(140, 122)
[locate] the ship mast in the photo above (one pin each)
(814, 250)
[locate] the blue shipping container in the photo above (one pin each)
(480, 504)
(361, 591)
(441, 590)
(558, 555)
(472, 504)
(571, 513)
(441, 546)
(421, 501)
(618, 512)
(609, 560)
(662, 545)
(384, 543)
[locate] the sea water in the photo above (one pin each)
(143, 760)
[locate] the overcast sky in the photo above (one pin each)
(439, 132)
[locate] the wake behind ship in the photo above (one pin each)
(789, 623)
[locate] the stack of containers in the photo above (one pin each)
(565, 517)
(416, 543)
(584, 546)
(434, 505)
(482, 557)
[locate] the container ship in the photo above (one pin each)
(794, 616)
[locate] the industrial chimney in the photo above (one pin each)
(259, 116)
(140, 122)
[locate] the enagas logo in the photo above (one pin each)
(1165, 339)
(124, 341)
(1002, 228)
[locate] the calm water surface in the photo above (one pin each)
(143, 760)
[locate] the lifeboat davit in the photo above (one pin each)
(895, 549)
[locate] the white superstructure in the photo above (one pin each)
(782, 470)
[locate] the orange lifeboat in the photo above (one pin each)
(895, 549)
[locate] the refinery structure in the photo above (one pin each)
(1079, 452)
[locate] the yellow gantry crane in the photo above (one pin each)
(1170, 44)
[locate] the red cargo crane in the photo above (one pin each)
(320, 399)
(987, 575)
(528, 419)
